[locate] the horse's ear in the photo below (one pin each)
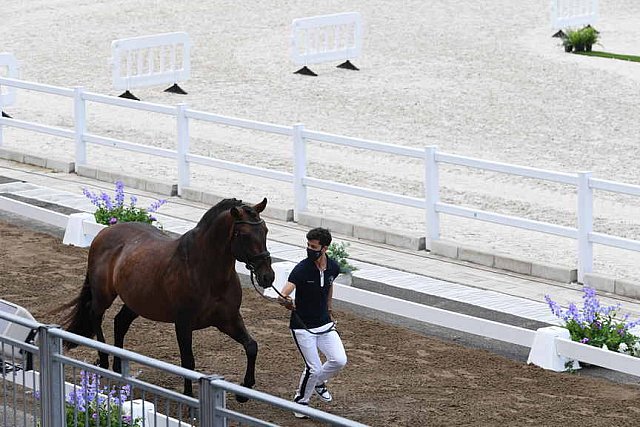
(235, 213)
(260, 206)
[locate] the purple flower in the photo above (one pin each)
(134, 200)
(572, 314)
(156, 205)
(119, 193)
(113, 220)
(584, 340)
(591, 305)
(106, 201)
(554, 306)
(95, 200)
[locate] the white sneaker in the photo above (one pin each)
(321, 390)
(298, 414)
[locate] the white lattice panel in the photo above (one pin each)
(150, 60)
(326, 38)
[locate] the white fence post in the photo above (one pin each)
(585, 225)
(184, 172)
(80, 123)
(7, 94)
(299, 171)
(431, 195)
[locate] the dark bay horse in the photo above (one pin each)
(190, 281)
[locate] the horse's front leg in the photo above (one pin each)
(184, 333)
(236, 330)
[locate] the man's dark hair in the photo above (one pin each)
(320, 234)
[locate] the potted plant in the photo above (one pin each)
(598, 325)
(111, 211)
(580, 40)
(590, 37)
(338, 252)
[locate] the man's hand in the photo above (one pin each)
(287, 303)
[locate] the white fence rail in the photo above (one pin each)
(573, 13)
(150, 60)
(300, 137)
(325, 38)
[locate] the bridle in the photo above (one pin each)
(251, 262)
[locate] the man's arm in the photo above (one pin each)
(285, 299)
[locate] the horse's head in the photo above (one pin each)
(249, 241)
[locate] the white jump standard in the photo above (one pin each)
(151, 60)
(326, 38)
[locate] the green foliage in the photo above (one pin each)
(581, 39)
(338, 252)
(622, 57)
(604, 331)
(104, 415)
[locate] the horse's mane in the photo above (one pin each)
(210, 216)
(187, 239)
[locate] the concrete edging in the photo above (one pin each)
(467, 253)
(145, 184)
(43, 162)
(367, 233)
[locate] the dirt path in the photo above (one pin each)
(394, 376)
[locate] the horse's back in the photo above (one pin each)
(136, 261)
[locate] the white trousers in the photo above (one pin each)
(316, 372)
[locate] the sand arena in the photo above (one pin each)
(485, 81)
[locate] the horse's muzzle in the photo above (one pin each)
(265, 275)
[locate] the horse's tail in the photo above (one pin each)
(79, 321)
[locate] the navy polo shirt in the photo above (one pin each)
(311, 298)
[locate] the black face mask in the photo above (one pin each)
(313, 255)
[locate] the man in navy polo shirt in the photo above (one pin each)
(311, 321)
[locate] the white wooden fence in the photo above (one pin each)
(573, 13)
(300, 137)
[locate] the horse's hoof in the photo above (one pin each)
(241, 399)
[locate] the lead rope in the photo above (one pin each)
(333, 323)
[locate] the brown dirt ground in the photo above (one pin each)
(394, 376)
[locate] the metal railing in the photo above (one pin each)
(48, 394)
(300, 137)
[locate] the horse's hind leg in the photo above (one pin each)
(103, 358)
(184, 334)
(121, 324)
(236, 330)
(101, 300)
